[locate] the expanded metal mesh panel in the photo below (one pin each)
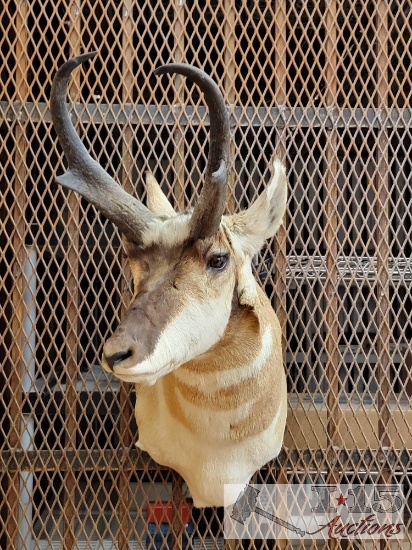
(326, 85)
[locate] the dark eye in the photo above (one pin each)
(218, 262)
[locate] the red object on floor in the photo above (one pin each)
(161, 512)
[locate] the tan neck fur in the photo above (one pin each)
(239, 372)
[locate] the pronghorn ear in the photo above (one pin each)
(264, 217)
(157, 201)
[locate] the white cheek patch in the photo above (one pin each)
(192, 332)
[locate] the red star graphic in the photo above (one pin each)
(341, 499)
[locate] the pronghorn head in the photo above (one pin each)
(190, 269)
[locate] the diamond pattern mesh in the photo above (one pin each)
(325, 84)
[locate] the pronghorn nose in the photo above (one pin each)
(118, 357)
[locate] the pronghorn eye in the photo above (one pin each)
(218, 261)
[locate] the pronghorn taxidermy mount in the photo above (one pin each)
(200, 339)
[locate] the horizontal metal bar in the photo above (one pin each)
(77, 460)
(298, 268)
(353, 355)
(278, 116)
(129, 459)
(350, 268)
(345, 459)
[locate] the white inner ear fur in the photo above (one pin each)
(264, 217)
(157, 202)
(249, 229)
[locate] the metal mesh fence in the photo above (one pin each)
(327, 85)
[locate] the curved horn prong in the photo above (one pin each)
(85, 175)
(208, 211)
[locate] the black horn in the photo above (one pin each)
(208, 211)
(85, 175)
